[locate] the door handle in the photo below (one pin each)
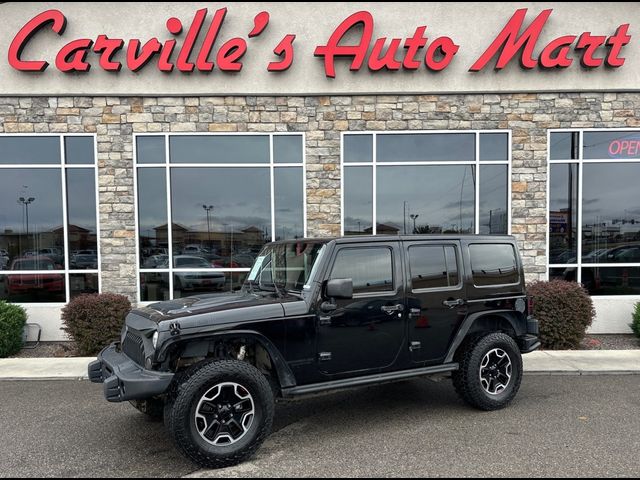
(453, 303)
(390, 310)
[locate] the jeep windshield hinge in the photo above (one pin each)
(174, 328)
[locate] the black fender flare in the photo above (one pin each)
(468, 322)
(285, 375)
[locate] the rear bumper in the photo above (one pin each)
(530, 342)
(125, 380)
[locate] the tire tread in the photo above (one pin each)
(191, 383)
(464, 381)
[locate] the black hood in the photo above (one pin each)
(216, 303)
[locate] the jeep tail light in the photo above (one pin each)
(530, 305)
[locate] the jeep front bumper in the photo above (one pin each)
(125, 380)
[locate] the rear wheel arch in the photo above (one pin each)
(480, 324)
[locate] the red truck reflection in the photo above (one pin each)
(24, 283)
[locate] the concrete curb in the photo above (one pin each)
(44, 368)
(593, 362)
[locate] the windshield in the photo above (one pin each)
(288, 266)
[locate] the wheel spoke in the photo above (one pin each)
(213, 431)
(225, 414)
(495, 371)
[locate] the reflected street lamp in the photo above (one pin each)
(414, 217)
(208, 209)
(26, 202)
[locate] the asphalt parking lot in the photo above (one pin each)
(558, 426)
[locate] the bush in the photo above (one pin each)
(635, 326)
(95, 321)
(565, 311)
(12, 321)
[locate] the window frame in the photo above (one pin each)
(63, 167)
(580, 162)
(272, 166)
(374, 164)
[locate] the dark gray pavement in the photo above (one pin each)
(558, 426)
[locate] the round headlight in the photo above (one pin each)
(154, 340)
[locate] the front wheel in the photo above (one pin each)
(490, 372)
(222, 414)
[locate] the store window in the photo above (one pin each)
(426, 182)
(48, 218)
(594, 209)
(207, 204)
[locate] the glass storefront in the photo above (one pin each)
(48, 219)
(451, 182)
(207, 204)
(594, 210)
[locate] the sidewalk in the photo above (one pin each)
(592, 362)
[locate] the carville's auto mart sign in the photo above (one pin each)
(251, 48)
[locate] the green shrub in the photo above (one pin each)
(95, 321)
(12, 321)
(635, 326)
(565, 311)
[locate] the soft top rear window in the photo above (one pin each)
(494, 264)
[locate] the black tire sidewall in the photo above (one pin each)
(507, 345)
(191, 392)
(468, 378)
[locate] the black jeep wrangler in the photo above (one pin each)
(321, 315)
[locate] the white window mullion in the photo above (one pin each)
(580, 202)
(477, 186)
(169, 215)
(272, 189)
(65, 219)
(342, 170)
(374, 175)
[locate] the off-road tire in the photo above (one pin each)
(467, 379)
(152, 408)
(181, 414)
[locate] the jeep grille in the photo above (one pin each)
(133, 347)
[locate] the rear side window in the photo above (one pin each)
(433, 266)
(370, 268)
(494, 264)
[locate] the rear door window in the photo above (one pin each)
(433, 267)
(494, 265)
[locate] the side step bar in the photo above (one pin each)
(367, 380)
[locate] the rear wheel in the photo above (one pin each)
(490, 372)
(222, 414)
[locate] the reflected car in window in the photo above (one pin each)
(242, 260)
(196, 281)
(54, 254)
(84, 262)
(26, 283)
(156, 261)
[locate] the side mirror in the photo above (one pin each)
(341, 289)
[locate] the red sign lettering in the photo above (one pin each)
(193, 52)
(384, 57)
(629, 148)
(555, 55)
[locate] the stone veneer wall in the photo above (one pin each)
(114, 120)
